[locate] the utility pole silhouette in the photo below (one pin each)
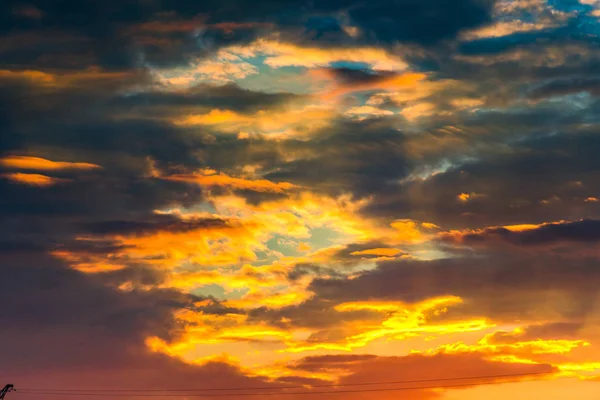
(7, 389)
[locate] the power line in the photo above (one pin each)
(277, 394)
(291, 387)
(82, 393)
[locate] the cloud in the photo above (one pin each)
(286, 54)
(504, 28)
(584, 231)
(367, 368)
(356, 76)
(210, 178)
(137, 198)
(401, 321)
(214, 71)
(235, 194)
(447, 21)
(41, 164)
(33, 179)
(533, 332)
(117, 38)
(43, 300)
(165, 222)
(107, 345)
(203, 242)
(497, 291)
(563, 87)
(367, 111)
(228, 96)
(358, 156)
(529, 173)
(385, 252)
(282, 123)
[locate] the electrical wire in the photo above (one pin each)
(295, 387)
(115, 393)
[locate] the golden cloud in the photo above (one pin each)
(286, 122)
(400, 321)
(210, 178)
(33, 179)
(383, 252)
(37, 163)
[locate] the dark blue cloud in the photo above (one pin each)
(116, 35)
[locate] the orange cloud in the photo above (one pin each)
(521, 352)
(413, 112)
(464, 197)
(206, 334)
(37, 163)
(303, 247)
(273, 299)
(231, 63)
(383, 252)
(85, 77)
(429, 225)
(279, 54)
(88, 263)
(406, 230)
(521, 349)
(216, 246)
(411, 88)
(259, 279)
(229, 242)
(210, 178)
(288, 121)
(400, 321)
(33, 179)
(31, 75)
(391, 83)
(241, 239)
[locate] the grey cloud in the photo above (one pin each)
(496, 285)
(561, 87)
(585, 232)
(159, 223)
(534, 180)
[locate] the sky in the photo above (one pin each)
(296, 194)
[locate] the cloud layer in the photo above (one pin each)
(293, 195)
